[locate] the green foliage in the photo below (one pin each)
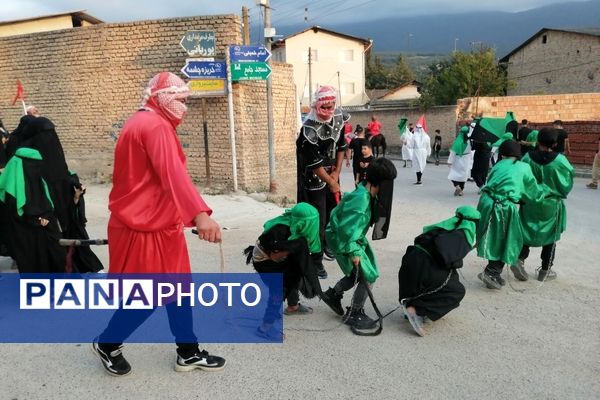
(379, 76)
(465, 75)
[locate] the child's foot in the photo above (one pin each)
(415, 320)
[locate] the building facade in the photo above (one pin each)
(555, 61)
(334, 59)
(47, 23)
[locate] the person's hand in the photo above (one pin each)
(79, 191)
(335, 174)
(208, 229)
(43, 221)
(347, 163)
(334, 187)
(356, 261)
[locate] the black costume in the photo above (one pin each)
(426, 266)
(481, 162)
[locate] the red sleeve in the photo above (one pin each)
(168, 161)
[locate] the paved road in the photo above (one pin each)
(543, 343)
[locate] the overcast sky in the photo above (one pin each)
(284, 11)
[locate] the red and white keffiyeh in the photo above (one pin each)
(164, 93)
(323, 106)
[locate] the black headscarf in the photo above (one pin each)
(40, 134)
(510, 148)
(14, 141)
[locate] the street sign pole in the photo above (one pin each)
(270, 124)
(231, 122)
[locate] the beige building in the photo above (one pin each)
(555, 61)
(335, 59)
(47, 23)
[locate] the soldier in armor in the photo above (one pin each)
(320, 149)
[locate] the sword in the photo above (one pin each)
(82, 242)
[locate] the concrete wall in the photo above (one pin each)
(89, 80)
(565, 63)
(441, 117)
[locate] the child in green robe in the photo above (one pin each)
(544, 223)
(499, 232)
(346, 234)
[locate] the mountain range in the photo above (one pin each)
(438, 34)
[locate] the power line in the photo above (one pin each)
(345, 9)
(553, 70)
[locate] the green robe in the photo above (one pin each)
(499, 233)
(346, 233)
(543, 223)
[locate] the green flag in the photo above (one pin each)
(402, 125)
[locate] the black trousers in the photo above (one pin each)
(459, 184)
(324, 201)
(419, 176)
(494, 268)
(548, 252)
(124, 322)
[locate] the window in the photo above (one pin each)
(347, 55)
(314, 56)
(347, 88)
(544, 39)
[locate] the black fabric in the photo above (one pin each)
(459, 184)
(381, 173)
(362, 169)
(547, 256)
(420, 273)
(560, 140)
(481, 163)
(356, 145)
(39, 134)
(437, 144)
(522, 136)
(15, 137)
(543, 157)
(447, 248)
(311, 156)
(494, 267)
(298, 269)
(82, 258)
(510, 149)
(513, 127)
(324, 201)
(419, 176)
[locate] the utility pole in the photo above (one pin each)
(270, 125)
(408, 42)
(455, 40)
(310, 77)
(246, 25)
(339, 88)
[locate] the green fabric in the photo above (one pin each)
(12, 179)
(402, 125)
(346, 233)
(460, 143)
(497, 126)
(303, 220)
(532, 138)
(545, 222)
(504, 138)
(467, 223)
(499, 233)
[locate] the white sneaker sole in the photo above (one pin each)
(188, 368)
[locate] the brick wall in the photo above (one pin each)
(90, 79)
(442, 118)
(565, 63)
(580, 114)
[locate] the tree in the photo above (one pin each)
(400, 74)
(465, 75)
(376, 74)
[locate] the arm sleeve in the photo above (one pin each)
(310, 154)
(165, 155)
(532, 192)
(341, 144)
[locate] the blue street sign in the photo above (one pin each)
(249, 54)
(198, 69)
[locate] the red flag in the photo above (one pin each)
(20, 92)
(422, 122)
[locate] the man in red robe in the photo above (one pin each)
(152, 199)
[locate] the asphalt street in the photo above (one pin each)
(527, 341)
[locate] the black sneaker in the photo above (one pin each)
(114, 363)
(358, 319)
(201, 360)
(518, 271)
(546, 275)
(333, 300)
(491, 282)
(328, 255)
(501, 280)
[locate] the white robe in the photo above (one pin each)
(406, 150)
(421, 148)
(460, 167)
